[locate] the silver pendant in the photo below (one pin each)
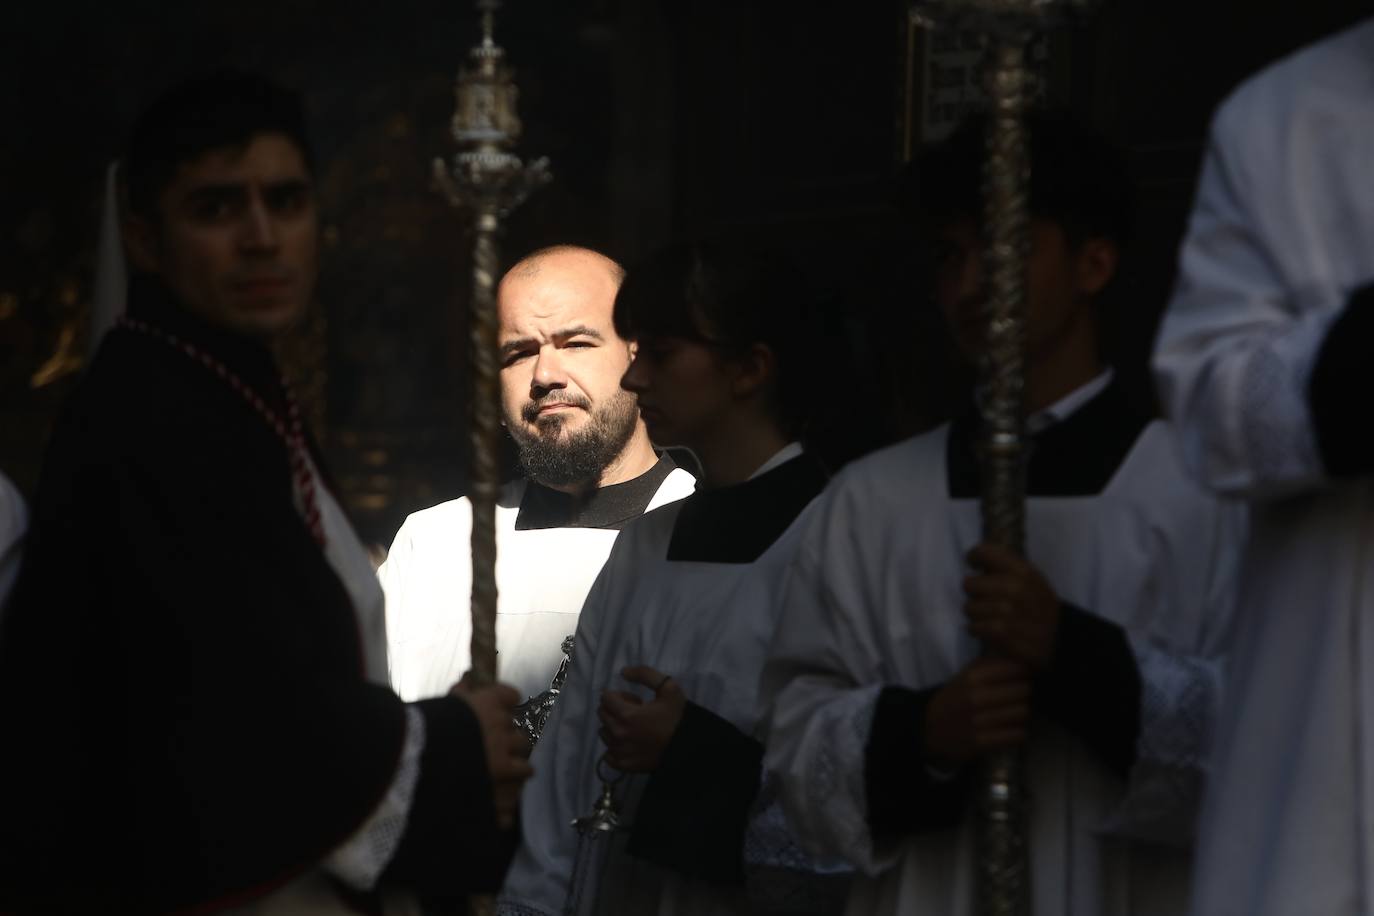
(594, 834)
(531, 715)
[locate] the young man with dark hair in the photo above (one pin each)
(193, 666)
(911, 649)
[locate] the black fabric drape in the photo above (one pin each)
(905, 793)
(1341, 380)
(181, 692)
(1092, 687)
(695, 806)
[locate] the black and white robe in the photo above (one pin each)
(1144, 561)
(690, 589)
(549, 549)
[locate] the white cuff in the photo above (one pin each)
(360, 861)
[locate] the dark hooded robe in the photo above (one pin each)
(183, 698)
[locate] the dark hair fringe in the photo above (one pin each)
(1078, 178)
(730, 295)
(222, 108)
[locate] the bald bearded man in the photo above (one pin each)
(589, 469)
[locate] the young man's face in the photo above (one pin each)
(1061, 281)
(561, 362)
(236, 237)
(683, 387)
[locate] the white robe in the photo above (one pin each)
(874, 599)
(707, 624)
(542, 577)
(1281, 233)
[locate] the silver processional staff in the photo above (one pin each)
(488, 180)
(1004, 887)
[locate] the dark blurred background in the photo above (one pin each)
(661, 119)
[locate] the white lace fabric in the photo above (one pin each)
(360, 861)
(823, 792)
(780, 875)
(1179, 705)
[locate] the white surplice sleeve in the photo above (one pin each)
(779, 875)
(1179, 704)
(564, 785)
(1181, 684)
(360, 861)
(1241, 334)
(820, 688)
(393, 576)
(427, 578)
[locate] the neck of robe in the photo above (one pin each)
(736, 524)
(1076, 453)
(612, 506)
(250, 358)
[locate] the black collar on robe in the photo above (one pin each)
(1077, 456)
(614, 506)
(736, 524)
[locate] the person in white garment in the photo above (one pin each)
(1263, 361)
(589, 469)
(193, 690)
(672, 637)
(14, 522)
(911, 648)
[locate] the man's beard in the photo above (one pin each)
(581, 457)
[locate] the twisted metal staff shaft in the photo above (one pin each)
(1004, 852)
(485, 473)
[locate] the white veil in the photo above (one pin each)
(111, 273)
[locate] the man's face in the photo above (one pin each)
(236, 239)
(561, 363)
(1059, 285)
(683, 387)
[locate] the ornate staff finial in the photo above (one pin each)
(1009, 25)
(486, 178)
(486, 174)
(488, 9)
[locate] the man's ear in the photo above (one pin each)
(758, 366)
(140, 243)
(1096, 263)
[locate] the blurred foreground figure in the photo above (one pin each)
(192, 669)
(1264, 360)
(911, 649)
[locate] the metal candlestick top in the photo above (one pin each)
(485, 174)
